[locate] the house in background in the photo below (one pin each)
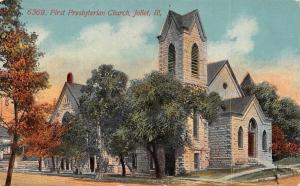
(68, 104)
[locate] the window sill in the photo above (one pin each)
(196, 77)
(241, 148)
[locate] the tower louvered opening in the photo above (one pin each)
(195, 60)
(171, 59)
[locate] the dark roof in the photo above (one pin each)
(247, 81)
(213, 69)
(237, 105)
(247, 85)
(183, 22)
(75, 90)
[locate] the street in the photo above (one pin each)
(21, 179)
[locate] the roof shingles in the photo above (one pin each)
(237, 105)
(75, 90)
(183, 22)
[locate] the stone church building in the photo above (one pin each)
(241, 135)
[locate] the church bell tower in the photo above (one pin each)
(182, 48)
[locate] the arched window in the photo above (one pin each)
(264, 140)
(171, 59)
(195, 60)
(240, 137)
(196, 125)
(252, 138)
(252, 126)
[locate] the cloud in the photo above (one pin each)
(298, 2)
(40, 31)
(125, 45)
(237, 42)
(237, 45)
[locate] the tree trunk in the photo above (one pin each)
(40, 163)
(153, 153)
(14, 147)
(53, 164)
(12, 158)
(123, 165)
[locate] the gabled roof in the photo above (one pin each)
(237, 105)
(240, 106)
(213, 70)
(75, 90)
(247, 84)
(183, 22)
(247, 81)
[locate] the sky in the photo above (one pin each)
(259, 37)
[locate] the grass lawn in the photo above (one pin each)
(266, 173)
(288, 161)
(218, 173)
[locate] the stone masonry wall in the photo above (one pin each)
(184, 156)
(220, 143)
(175, 38)
(199, 145)
(189, 39)
(240, 155)
(183, 45)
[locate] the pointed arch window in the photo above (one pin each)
(264, 140)
(171, 59)
(195, 60)
(196, 124)
(240, 137)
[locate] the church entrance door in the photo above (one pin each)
(170, 163)
(92, 164)
(252, 141)
(250, 144)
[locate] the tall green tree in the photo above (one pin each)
(118, 136)
(20, 78)
(267, 96)
(284, 111)
(102, 104)
(161, 106)
(74, 140)
(196, 99)
(288, 116)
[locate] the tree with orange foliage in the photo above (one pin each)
(280, 147)
(20, 78)
(44, 138)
